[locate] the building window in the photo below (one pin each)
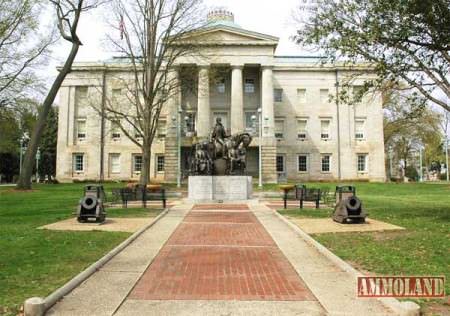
(279, 129)
(137, 163)
(249, 86)
(159, 163)
(81, 129)
(278, 95)
(280, 164)
(359, 129)
(116, 93)
(137, 129)
(362, 163)
(326, 163)
(220, 85)
(78, 162)
(301, 129)
(250, 125)
(325, 129)
(358, 93)
(190, 122)
(115, 130)
(162, 128)
(303, 163)
(301, 95)
(324, 96)
(81, 96)
(114, 163)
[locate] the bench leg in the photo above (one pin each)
(285, 200)
(301, 203)
(317, 204)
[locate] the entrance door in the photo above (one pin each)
(281, 168)
(224, 117)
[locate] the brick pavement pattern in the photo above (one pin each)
(221, 255)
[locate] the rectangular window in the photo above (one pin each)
(137, 129)
(358, 93)
(251, 123)
(220, 85)
(362, 163)
(249, 86)
(81, 129)
(359, 129)
(78, 162)
(114, 163)
(303, 163)
(280, 164)
(325, 129)
(116, 93)
(301, 95)
(301, 129)
(115, 130)
(190, 122)
(279, 129)
(278, 95)
(326, 163)
(162, 128)
(324, 96)
(160, 163)
(81, 96)
(137, 163)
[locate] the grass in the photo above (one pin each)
(36, 262)
(422, 249)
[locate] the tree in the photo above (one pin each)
(47, 163)
(153, 39)
(68, 14)
(409, 126)
(404, 40)
(22, 47)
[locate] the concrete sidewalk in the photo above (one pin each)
(110, 290)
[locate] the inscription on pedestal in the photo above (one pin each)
(225, 188)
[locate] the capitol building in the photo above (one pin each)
(300, 132)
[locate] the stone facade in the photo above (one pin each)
(305, 137)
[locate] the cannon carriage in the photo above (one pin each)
(91, 205)
(348, 206)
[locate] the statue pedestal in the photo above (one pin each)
(220, 188)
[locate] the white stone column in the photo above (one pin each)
(268, 120)
(237, 100)
(203, 107)
(174, 102)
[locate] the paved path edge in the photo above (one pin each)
(406, 308)
(37, 306)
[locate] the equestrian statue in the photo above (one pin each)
(222, 154)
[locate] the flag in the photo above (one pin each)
(122, 27)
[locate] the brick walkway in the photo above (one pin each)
(221, 252)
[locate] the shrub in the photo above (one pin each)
(411, 173)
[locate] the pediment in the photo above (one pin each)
(222, 35)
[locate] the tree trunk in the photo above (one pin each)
(146, 158)
(24, 182)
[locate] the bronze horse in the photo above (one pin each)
(220, 158)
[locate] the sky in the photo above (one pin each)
(263, 16)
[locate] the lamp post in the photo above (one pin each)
(260, 184)
(446, 156)
(421, 164)
(38, 157)
(23, 139)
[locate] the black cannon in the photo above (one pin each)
(348, 206)
(91, 205)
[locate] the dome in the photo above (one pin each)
(221, 16)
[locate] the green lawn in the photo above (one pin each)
(36, 262)
(422, 249)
